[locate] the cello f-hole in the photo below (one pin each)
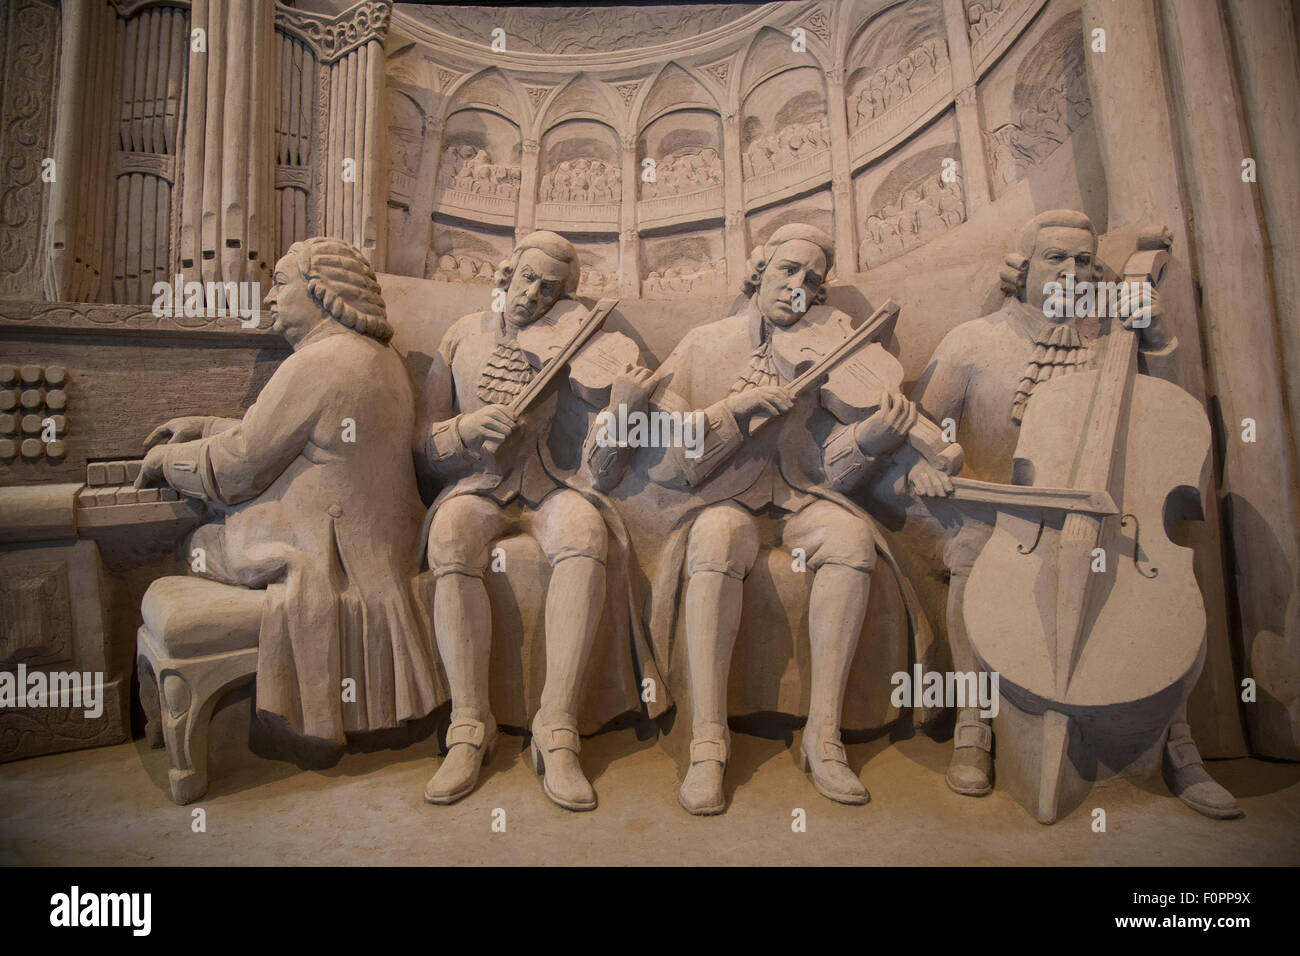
(1123, 523)
(1037, 538)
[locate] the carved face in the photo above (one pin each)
(294, 312)
(537, 284)
(796, 264)
(1058, 251)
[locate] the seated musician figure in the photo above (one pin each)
(982, 376)
(541, 473)
(318, 505)
(787, 481)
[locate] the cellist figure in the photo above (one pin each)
(983, 375)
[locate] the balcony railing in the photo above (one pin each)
(701, 204)
(800, 172)
(1012, 18)
(457, 202)
(903, 114)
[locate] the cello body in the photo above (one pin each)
(1144, 622)
(1094, 623)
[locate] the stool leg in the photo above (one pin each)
(153, 728)
(185, 730)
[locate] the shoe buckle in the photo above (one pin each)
(973, 733)
(707, 749)
(561, 738)
(832, 750)
(466, 731)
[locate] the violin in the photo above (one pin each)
(566, 337)
(854, 372)
(1084, 612)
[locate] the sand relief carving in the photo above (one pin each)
(785, 443)
(491, 438)
(316, 509)
(454, 267)
(582, 180)
(981, 17)
(922, 211)
(785, 146)
(470, 169)
(686, 170)
(1019, 384)
(704, 278)
(889, 86)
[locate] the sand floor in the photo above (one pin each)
(111, 806)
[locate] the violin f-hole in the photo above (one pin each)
(1137, 562)
(1037, 538)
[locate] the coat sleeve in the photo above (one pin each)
(240, 463)
(440, 452)
(941, 390)
(691, 464)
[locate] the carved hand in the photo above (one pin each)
(929, 482)
(888, 427)
(632, 388)
(151, 470)
(756, 405)
(1153, 336)
(484, 430)
(182, 429)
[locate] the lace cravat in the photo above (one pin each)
(504, 376)
(761, 371)
(1058, 350)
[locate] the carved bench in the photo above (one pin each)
(198, 641)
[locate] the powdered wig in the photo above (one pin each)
(555, 246)
(1016, 265)
(341, 282)
(761, 256)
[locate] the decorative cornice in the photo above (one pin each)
(723, 41)
(334, 37)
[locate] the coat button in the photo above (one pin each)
(335, 511)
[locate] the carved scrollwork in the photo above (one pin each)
(333, 37)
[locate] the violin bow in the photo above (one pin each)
(863, 334)
(589, 327)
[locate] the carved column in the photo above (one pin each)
(629, 249)
(417, 240)
(846, 219)
(528, 173)
(1243, 331)
(734, 201)
(349, 48)
(970, 136)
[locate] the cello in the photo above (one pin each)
(1093, 620)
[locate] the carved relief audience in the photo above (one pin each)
(1043, 126)
(686, 170)
(470, 169)
(889, 86)
(923, 211)
(707, 278)
(982, 16)
(582, 180)
(785, 146)
(464, 268)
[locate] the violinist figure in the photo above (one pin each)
(983, 375)
(804, 463)
(497, 474)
